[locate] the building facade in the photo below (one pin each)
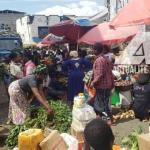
(33, 28)
(8, 19)
(114, 6)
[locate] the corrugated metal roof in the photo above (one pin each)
(11, 12)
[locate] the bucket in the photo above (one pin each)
(115, 99)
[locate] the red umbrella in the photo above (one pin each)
(135, 12)
(106, 35)
(70, 29)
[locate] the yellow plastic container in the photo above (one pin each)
(30, 139)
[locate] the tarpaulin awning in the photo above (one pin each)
(42, 45)
(136, 12)
(104, 34)
(72, 30)
(52, 39)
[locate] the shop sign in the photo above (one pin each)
(137, 52)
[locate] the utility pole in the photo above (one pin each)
(108, 7)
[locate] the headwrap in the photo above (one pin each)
(41, 69)
(73, 54)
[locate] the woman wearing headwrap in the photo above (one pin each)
(15, 66)
(75, 68)
(29, 66)
(22, 90)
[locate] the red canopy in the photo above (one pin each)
(70, 30)
(104, 34)
(135, 12)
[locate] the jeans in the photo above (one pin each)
(101, 103)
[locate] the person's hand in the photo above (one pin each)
(49, 111)
(92, 85)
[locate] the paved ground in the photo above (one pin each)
(124, 128)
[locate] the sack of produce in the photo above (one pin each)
(84, 114)
(30, 139)
(53, 142)
(80, 125)
(71, 141)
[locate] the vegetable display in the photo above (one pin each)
(123, 83)
(39, 119)
(131, 141)
(124, 115)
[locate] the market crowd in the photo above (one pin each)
(34, 75)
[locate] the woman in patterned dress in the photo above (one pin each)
(21, 91)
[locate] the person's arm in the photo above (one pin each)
(42, 93)
(65, 66)
(41, 99)
(98, 71)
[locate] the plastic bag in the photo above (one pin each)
(84, 114)
(71, 142)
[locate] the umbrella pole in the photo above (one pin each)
(77, 42)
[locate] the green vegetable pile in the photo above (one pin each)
(131, 142)
(39, 119)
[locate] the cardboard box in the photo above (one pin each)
(144, 141)
(53, 142)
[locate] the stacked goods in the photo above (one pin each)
(82, 114)
(26, 139)
(34, 139)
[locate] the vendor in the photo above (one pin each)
(98, 135)
(141, 92)
(22, 90)
(15, 66)
(29, 66)
(75, 68)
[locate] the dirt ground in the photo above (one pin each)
(120, 130)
